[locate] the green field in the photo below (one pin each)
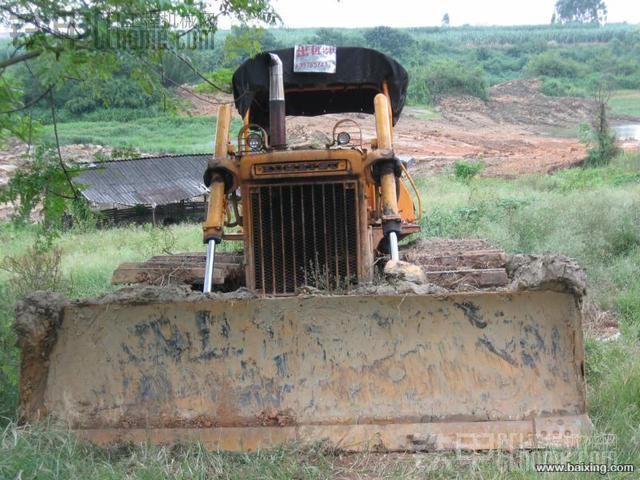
(626, 102)
(170, 134)
(590, 214)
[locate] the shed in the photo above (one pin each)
(163, 189)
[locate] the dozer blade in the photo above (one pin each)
(386, 372)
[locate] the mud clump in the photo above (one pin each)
(546, 272)
(395, 270)
(38, 318)
(147, 294)
(400, 287)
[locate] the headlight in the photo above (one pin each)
(343, 138)
(254, 140)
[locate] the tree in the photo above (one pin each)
(581, 11)
(600, 140)
(445, 20)
(63, 40)
(329, 36)
(394, 42)
(244, 42)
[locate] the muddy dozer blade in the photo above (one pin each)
(385, 372)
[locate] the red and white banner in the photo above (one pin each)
(314, 59)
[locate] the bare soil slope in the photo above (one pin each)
(511, 132)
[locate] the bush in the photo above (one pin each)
(117, 92)
(447, 78)
(8, 358)
(465, 171)
(554, 88)
(599, 137)
(221, 78)
(603, 149)
(36, 269)
(80, 105)
(553, 64)
(395, 42)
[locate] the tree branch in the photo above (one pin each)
(30, 104)
(55, 131)
(20, 58)
(197, 72)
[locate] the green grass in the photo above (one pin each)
(590, 214)
(170, 134)
(626, 102)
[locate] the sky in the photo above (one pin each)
(417, 13)
(422, 13)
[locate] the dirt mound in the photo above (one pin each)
(520, 102)
(517, 102)
(465, 110)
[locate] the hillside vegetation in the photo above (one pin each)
(441, 61)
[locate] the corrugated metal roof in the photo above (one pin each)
(144, 181)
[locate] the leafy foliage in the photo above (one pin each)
(600, 138)
(332, 36)
(465, 170)
(219, 79)
(396, 43)
(553, 64)
(244, 42)
(43, 181)
(11, 122)
(101, 38)
(445, 77)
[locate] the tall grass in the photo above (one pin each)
(167, 133)
(590, 214)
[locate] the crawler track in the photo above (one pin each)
(447, 263)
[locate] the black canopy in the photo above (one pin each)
(359, 76)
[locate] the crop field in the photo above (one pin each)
(626, 102)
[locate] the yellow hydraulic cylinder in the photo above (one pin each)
(214, 222)
(389, 195)
(383, 125)
(388, 186)
(386, 171)
(222, 131)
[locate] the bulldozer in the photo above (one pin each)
(464, 348)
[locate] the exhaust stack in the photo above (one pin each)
(277, 126)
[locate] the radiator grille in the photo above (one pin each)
(304, 234)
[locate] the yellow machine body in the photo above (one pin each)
(384, 368)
